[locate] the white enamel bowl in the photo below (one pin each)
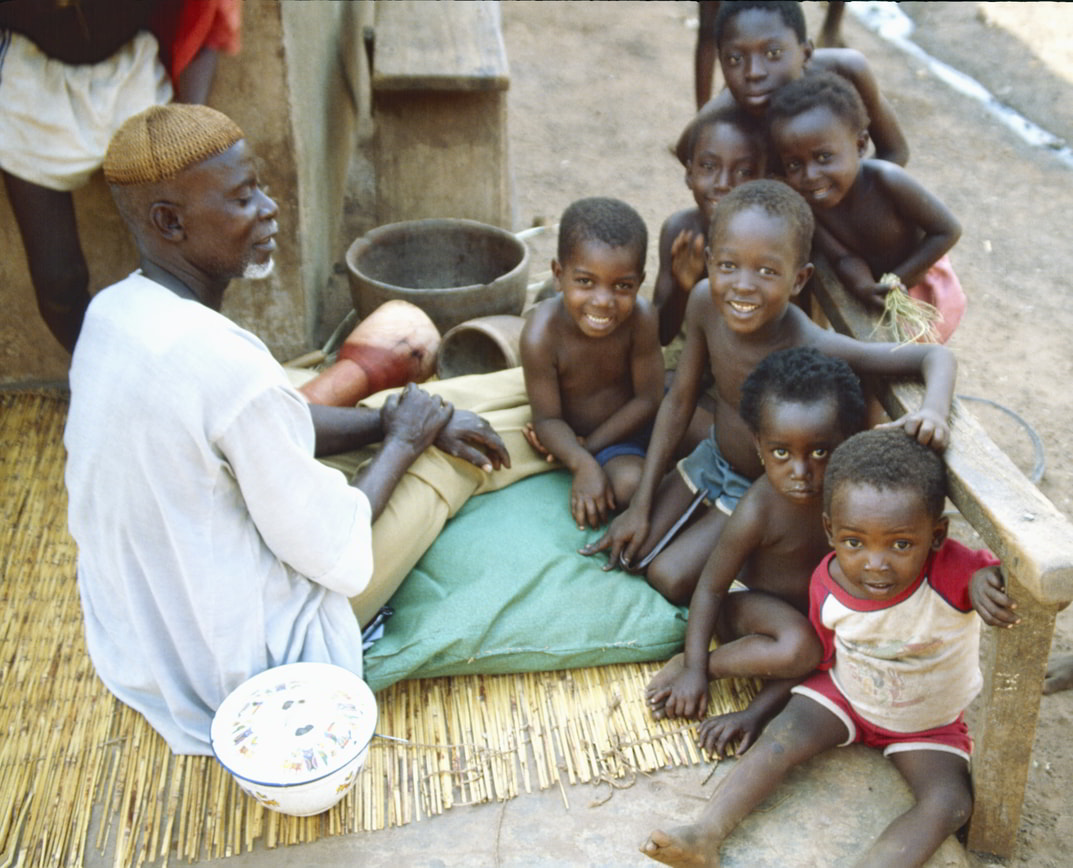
(295, 737)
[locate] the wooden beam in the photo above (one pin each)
(445, 45)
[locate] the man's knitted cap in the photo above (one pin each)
(161, 141)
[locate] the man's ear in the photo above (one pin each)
(827, 530)
(862, 142)
(938, 534)
(166, 219)
(808, 48)
(803, 275)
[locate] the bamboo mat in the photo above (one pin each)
(68, 745)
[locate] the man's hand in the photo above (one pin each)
(414, 417)
(471, 438)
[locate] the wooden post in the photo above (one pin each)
(440, 81)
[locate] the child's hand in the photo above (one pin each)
(924, 425)
(591, 497)
(716, 734)
(687, 695)
(529, 433)
(624, 538)
(872, 294)
(687, 259)
(987, 591)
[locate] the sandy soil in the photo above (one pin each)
(599, 92)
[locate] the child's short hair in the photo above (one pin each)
(888, 460)
(804, 375)
(598, 218)
(789, 12)
(732, 115)
(777, 200)
(826, 89)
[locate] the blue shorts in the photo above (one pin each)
(635, 445)
(706, 470)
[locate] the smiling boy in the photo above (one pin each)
(591, 357)
(758, 261)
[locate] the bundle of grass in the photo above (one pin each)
(909, 319)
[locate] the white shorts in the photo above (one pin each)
(56, 119)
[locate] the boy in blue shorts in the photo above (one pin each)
(759, 246)
(894, 607)
(591, 357)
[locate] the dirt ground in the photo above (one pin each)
(600, 91)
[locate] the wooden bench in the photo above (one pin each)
(439, 81)
(1035, 542)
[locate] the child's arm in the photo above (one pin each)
(855, 274)
(687, 695)
(681, 265)
(987, 590)
(628, 531)
(883, 128)
(918, 207)
(934, 363)
(646, 372)
(590, 494)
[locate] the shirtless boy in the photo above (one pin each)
(758, 261)
(591, 357)
(763, 46)
(753, 592)
(727, 148)
(872, 217)
(895, 606)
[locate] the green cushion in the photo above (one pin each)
(503, 589)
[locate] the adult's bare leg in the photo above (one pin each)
(58, 270)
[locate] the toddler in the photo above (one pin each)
(873, 218)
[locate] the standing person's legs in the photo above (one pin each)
(46, 220)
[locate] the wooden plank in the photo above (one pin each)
(1014, 662)
(1019, 524)
(446, 45)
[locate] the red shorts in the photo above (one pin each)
(952, 737)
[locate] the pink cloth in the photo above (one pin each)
(941, 288)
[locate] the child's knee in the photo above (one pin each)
(670, 581)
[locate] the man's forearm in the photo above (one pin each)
(341, 429)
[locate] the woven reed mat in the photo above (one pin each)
(69, 745)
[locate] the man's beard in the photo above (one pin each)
(259, 270)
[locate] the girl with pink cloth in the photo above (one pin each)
(872, 217)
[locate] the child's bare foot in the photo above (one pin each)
(681, 847)
(1059, 674)
(659, 688)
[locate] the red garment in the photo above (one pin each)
(941, 288)
(184, 27)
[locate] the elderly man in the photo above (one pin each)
(212, 543)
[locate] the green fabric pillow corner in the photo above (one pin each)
(503, 590)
